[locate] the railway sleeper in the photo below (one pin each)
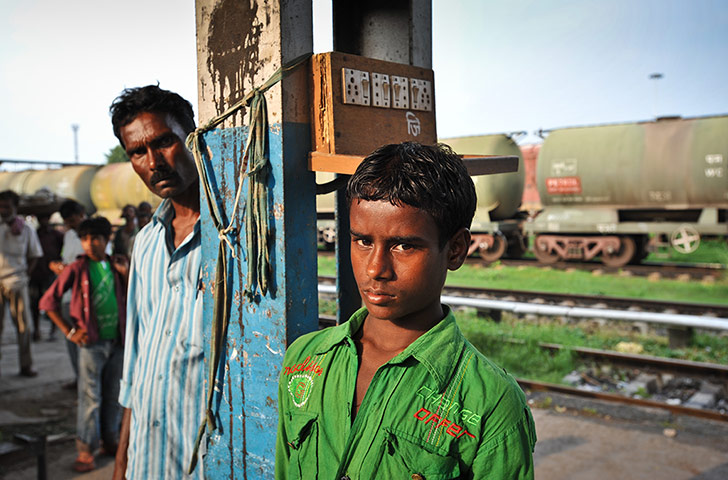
(616, 251)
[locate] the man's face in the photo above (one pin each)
(94, 246)
(7, 210)
(74, 220)
(155, 145)
(398, 265)
(128, 214)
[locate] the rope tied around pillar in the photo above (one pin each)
(255, 167)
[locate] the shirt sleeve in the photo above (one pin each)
(51, 299)
(131, 340)
(509, 455)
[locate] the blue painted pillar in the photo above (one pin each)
(240, 44)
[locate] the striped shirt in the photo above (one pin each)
(163, 379)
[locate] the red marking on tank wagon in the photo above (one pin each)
(563, 185)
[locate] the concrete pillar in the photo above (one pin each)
(240, 44)
(393, 30)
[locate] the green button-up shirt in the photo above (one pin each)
(438, 410)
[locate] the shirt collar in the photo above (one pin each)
(164, 213)
(438, 349)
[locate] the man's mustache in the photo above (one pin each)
(158, 176)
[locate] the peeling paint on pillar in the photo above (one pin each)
(257, 331)
(240, 44)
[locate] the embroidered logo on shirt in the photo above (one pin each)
(424, 415)
(313, 367)
(437, 402)
(300, 389)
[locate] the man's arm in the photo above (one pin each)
(121, 458)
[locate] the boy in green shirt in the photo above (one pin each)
(397, 391)
(98, 311)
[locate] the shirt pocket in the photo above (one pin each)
(408, 457)
(302, 434)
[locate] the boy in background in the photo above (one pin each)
(397, 391)
(98, 313)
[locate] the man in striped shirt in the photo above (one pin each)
(162, 383)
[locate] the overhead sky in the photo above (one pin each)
(500, 65)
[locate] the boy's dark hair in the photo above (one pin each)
(431, 178)
(151, 98)
(95, 226)
(10, 195)
(70, 208)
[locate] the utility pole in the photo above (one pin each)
(74, 127)
(655, 76)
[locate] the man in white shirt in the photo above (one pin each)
(19, 251)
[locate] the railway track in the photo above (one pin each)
(616, 398)
(590, 301)
(577, 300)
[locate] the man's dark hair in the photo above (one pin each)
(144, 207)
(151, 98)
(431, 178)
(10, 195)
(70, 208)
(95, 226)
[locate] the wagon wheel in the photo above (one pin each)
(495, 251)
(685, 239)
(621, 257)
(544, 256)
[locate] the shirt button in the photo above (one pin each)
(155, 423)
(176, 288)
(168, 332)
(160, 377)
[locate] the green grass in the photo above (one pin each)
(576, 281)
(709, 251)
(582, 282)
(526, 359)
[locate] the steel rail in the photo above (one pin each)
(668, 365)
(522, 308)
(703, 309)
(614, 398)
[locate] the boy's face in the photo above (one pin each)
(398, 265)
(94, 246)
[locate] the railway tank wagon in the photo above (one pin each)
(103, 190)
(497, 225)
(617, 191)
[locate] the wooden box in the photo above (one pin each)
(341, 126)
